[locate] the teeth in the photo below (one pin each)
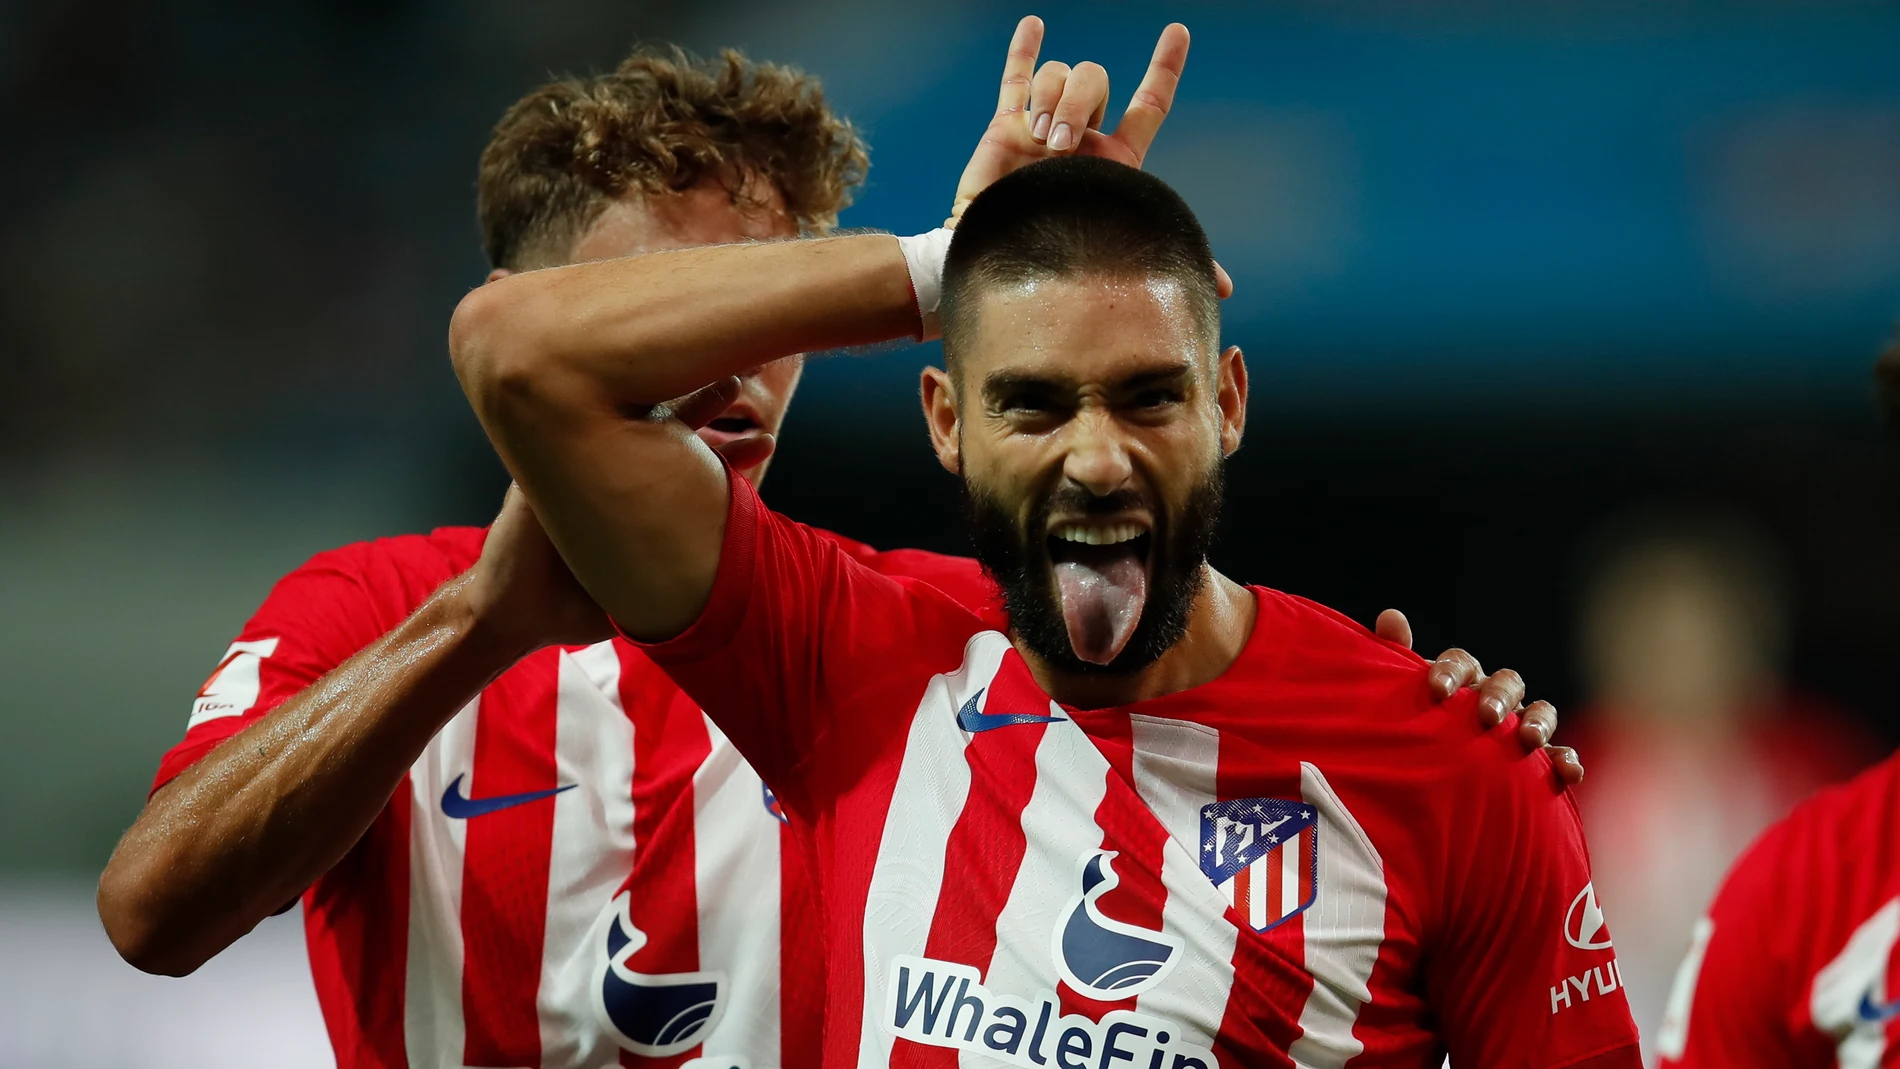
(1111, 535)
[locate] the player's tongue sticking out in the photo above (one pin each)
(1101, 576)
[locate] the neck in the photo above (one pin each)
(1219, 623)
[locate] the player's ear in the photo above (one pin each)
(1231, 395)
(499, 272)
(939, 395)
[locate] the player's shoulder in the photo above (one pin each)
(1322, 657)
(445, 551)
(1849, 832)
(1375, 695)
(401, 570)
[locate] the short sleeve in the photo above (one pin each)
(1523, 973)
(314, 619)
(1737, 993)
(960, 579)
(797, 649)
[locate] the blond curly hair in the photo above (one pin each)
(663, 121)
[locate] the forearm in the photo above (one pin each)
(643, 330)
(256, 821)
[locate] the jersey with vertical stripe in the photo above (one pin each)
(579, 870)
(1305, 862)
(1795, 965)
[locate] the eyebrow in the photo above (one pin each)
(1002, 382)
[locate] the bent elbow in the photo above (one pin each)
(147, 940)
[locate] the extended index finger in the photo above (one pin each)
(1155, 95)
(1020, 65)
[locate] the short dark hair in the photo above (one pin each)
(661, 122)
(1076, 215)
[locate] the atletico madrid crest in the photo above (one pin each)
(1263, 855)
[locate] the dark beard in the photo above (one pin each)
(1017, 559)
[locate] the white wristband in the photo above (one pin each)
(924, 254)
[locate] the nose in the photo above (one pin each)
(1097, 458)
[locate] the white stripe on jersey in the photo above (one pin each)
(736, 856)
(1344, 929)
(1857, 974)
(591, 851)
(1071, 779)
(433, 1030)
(932, 785)
(1176, 765)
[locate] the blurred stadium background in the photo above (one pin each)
(1560, 317)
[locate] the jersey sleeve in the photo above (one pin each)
(314, 619)
(1735, 1002)
(960, 579)
(1523, 973)
(795, 652)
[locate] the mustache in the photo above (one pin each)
(1071, 499)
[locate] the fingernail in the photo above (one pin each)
(1061, 138)
(1495, 708)
(1040, 131)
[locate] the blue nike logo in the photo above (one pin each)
(456, 807)
(972, 721)
(1877, 1012)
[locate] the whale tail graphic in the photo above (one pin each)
(655, 1014)
(1102, 958)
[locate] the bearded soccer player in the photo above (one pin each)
(1797, 964)
(1164, 820)
(516, 857)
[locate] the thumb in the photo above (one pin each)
(1394, 627)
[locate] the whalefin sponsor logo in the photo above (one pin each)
(1583, 924)
(654, 1014)
(944, 1004)
(1103, 958)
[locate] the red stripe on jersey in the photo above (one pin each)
(801, 959)
(1270, 968)
(1138, 839)
(505, 871)
(356, 923)
(986, 845)
(670, 742)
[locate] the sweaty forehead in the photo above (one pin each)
(1080, 329)
(705, 214)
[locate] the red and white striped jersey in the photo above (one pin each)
(579, 870)
(1305, 862)
(1795, 965)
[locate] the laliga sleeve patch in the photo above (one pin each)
(234, 686)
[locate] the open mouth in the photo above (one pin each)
(738, 436)
(1101, 568)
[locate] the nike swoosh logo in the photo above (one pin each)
(456, 807)
(1877, 1012)
(972, 721)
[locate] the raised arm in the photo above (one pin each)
(570, 370)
